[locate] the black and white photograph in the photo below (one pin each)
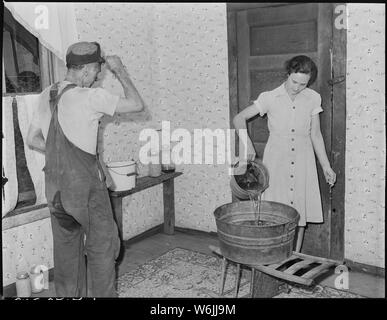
(209, 151)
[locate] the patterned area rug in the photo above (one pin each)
(182, 273)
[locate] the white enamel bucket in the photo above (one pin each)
(123, 174)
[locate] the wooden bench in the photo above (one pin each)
(142, 183)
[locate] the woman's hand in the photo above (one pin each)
(330, 176)
(240, 167)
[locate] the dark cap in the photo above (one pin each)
(81, 53)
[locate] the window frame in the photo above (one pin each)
(47, 77)
(46, 58)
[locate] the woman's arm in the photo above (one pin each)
(35, 139)
(319, 148)
(239, 122)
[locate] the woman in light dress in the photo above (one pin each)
(293, 121)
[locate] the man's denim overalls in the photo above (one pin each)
(80, 205)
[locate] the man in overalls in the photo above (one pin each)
(65, 128)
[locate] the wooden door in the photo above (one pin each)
(265, 38)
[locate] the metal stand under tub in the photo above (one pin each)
(264, 278)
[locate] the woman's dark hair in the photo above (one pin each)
(302, 64)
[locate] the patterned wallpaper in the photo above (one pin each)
(365, 145)
(25, 246)
(176, 55)
(190, 73)
(125, 30)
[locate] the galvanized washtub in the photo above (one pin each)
(241, 240)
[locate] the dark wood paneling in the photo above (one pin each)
(282, 15)
(338, 142)
(243, 59)
(293, 38)
(276, 62)
(232, 65)
(317, 236)
(261, 81)
(232, 7)
(232, 70)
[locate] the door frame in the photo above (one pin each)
(338, 127)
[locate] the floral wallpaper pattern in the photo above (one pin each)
(118, 140)
(190, 72)
(25, 246)
(176, 54)
(365, 141)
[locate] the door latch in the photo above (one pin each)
(337, 80)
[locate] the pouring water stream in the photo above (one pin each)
(255, 198)
(254, 187)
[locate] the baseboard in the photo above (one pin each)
(198, 232)
(365, 268)
(146, 234)
(159, 228)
